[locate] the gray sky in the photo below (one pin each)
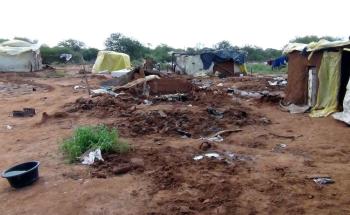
(178, 23)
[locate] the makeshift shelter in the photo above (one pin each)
(226, 62)
(318, 74)
(108, 61)
(20, 56)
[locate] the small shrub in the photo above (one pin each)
(90, 138)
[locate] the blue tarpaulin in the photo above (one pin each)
(221, 56)
(278, 62)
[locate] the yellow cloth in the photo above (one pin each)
(243, 68)
(329, 83)
(111, 61)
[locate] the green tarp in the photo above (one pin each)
(329, 83)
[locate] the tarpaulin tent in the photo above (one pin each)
(108, 61)
(221, 56)
(20, 56)
(208, 62)
(329, 82)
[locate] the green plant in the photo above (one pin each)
(92, 137)
(262, 68)
(51, 55)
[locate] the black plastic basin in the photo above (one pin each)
(22, 174)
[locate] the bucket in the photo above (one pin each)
(22, 174)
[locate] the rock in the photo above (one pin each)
(184, 210)
(137, 162)
(206, 201)
(98, 175)
(220, 210)
(123, 169)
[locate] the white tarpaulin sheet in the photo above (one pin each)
(192, 65)
(16, 47)
(345, 115)
(19, 56)
(314, 46)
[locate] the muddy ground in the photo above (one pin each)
(255, 174)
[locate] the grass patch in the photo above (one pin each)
(261, 68)
(90, 138)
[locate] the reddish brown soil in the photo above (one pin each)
(159, 176)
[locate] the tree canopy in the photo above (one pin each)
(75, 45)
(161, 53)
(313, 38)
(120, 43)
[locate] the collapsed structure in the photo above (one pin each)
(227, 62)
(20, 56)
(318, 75)
(109, 61)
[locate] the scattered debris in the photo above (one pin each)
(101, 91)
(294, 109)
(120, 73)
(172, 97)
(239, 157)
(27, 112)
(89, 157)
(215, 112)
(265, 120)
(162, 114)
(208, 155)
(147, 102)
(136, 82)
(244, 93)
(220, 85)
(216, 138)
(279, 147)
(323, 180)
(278, 81)
(227, 131)
(202, 84)
(9, 127)
(265, 95)
(184, 133)
(282, 145)
(77, 87)
(226, 156)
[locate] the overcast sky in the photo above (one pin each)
(178, 23)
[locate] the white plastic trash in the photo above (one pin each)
(119, 73)
(92, 156)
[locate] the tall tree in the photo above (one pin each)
(75, 45)
(120, 43)
(223, 45)
(161, 53)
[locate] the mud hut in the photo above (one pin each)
(318, 74)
